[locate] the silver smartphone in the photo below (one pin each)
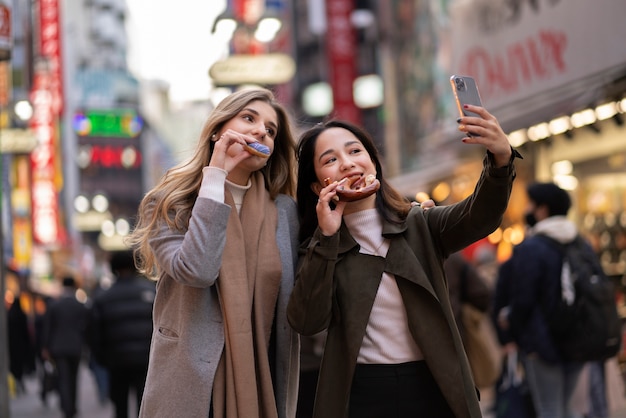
(465, 92)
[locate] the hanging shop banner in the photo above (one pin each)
(45, 200)
(6, 33)
(50, 49)
(261, 69)
(537, 58)
(341, 47)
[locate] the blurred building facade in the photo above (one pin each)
(385, 65)
(75, 169)
(558, 92)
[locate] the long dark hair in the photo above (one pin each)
(389, 202)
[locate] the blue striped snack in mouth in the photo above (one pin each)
(258, 149)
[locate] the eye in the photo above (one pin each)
(270, 132)
(330, 160)
(247, 117)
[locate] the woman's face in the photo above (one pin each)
(340, 154)
(257, 120)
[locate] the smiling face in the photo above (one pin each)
(258, 120)
(340, 154)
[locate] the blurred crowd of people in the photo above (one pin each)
(109, 332)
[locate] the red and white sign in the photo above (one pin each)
(341, 47)
(45, 201)
(47, 100)
(544, 54)
(5, 28)
(50, 49)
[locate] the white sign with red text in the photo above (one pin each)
(543, 54)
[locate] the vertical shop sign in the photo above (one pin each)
(47, 100)
(341, 46)
(50, 49)
(6, 33)
(20, 202)
(44, 194)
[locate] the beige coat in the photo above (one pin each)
(188, 336)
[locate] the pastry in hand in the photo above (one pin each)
(257, 149)
(356, 187)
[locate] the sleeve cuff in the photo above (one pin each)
(505, 171)
(212, 186)
(325, 246)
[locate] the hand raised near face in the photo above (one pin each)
(229, 150)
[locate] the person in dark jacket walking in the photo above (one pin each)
(21, 358)
(121, 329)
(533, 275)
(65, 324)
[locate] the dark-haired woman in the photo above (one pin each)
(371, 274)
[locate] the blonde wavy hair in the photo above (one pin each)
(172, 199)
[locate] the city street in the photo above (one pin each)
(29, 405)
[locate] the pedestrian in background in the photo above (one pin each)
(372, 276)
(48, 381)
(533, 275)
(465, 285)
(21, 348)
(219, 233)
(121, 330)
(65, 325)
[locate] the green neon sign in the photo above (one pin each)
(120, 123)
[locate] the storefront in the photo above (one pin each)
(554, 74)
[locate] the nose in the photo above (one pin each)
(259, 131)
(346, 163)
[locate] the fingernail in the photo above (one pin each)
(465, 106)
(461, 127)
(459, 120)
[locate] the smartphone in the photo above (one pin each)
(465, 92)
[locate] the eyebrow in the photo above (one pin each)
(346, 145)
(249, 109)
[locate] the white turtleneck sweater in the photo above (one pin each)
(387, 338)
(212, 186)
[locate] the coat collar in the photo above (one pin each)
(346, 242)
(401, 260)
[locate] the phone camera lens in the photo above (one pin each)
(460, 84)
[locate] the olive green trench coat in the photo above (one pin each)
(336, 286)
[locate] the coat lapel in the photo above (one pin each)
(402, 262)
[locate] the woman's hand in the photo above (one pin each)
(328, 219)
(426, 204)
(228, 151)
(486, 130)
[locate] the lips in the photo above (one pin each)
(356, 187)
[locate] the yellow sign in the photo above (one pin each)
(256, 69)
(16, 141)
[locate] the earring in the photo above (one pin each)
(213, 137)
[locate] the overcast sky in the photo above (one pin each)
(171, 41)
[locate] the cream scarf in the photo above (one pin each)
(248, 290)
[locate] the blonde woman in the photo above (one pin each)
(219, 233)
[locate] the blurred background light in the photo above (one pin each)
(317, 99)
(368, 91)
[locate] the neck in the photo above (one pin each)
(359, 205)
(239, 176)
